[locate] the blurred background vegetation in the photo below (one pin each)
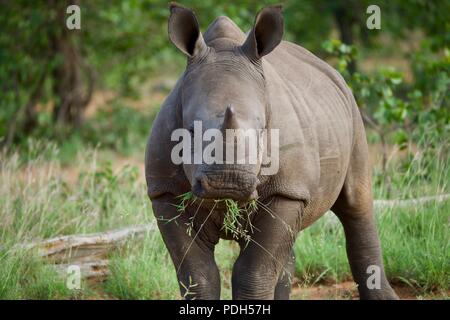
(76, 108)
(81, 85)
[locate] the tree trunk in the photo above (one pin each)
(343, 12)
(71, 76)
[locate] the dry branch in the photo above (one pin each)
(409, 202)
(88, 251)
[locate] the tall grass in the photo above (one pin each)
(41, 199)
(142, 270)
(23, 276)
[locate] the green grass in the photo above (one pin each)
(23, 276)
(234, 218)
(142, 270)
(417, 248)
(38, 199)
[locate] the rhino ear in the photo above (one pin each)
(184, 31)
(266, 33)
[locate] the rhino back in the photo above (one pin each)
(315, 112)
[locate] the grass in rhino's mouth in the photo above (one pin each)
(236, 221)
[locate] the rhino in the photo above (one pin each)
(256, 80)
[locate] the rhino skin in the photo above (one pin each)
(256, 80)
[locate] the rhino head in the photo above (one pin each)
(223, 88)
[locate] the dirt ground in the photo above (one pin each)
(347, 290)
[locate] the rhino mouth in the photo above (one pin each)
(240, 186)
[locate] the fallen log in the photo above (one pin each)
(88, 251)
(81, 246)
(409, 202)
(94, 271)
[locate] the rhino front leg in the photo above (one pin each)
(197, 272)
(284, 284)
(261, 262)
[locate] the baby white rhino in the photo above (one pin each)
(258, 81)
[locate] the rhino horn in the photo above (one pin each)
(229, 120)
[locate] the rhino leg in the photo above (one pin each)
(284, 284)
(262, 260)
(354, 209)
(364, 254)
(198, 275)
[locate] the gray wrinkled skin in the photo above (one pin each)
(234, 80)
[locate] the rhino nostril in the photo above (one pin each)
(200, 186)
(197, 188)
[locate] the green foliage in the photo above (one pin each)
(119, 128)
(403, 109)
(415, 116)
(23, 56)
(126, 43)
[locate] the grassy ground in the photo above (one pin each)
(42, 198)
